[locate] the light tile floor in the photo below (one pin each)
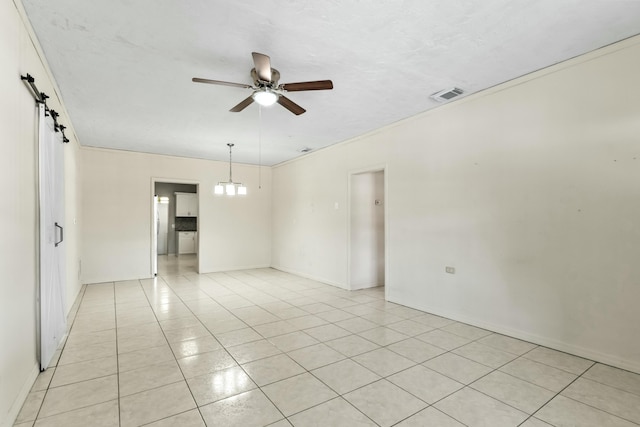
(263, 347)
(171, 265)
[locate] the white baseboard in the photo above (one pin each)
(365, 286)
(21, 397)
(235, 268)
(310, 276)
(591, 354)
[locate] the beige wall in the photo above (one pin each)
(233, 233)
(19, 208)
(531, 190)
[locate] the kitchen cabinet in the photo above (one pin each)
(187, 242)
(186, 204)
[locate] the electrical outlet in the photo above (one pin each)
(450, 270)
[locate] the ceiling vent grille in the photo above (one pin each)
(447, 94)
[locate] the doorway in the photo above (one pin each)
(175, 243)
(367, 229)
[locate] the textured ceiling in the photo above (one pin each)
(124, 67)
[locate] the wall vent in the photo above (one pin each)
(447, 94)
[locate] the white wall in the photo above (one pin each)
(19, 208)
(531, 190)
(233, 233)
(366, 245)
(309, 235)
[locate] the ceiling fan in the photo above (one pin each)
(266, 89)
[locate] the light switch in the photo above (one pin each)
(336, 206)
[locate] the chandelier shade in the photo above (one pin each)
(229, 188)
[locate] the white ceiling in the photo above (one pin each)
(124, 67)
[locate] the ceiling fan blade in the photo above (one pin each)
(219, 82)
(242, 105)
(290, 105)
(263, 66)
(317, 85)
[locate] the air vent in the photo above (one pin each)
(447, 94)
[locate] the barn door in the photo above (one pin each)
(53, 322)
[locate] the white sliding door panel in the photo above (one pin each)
(53, 323)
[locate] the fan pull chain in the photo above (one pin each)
(260, 147)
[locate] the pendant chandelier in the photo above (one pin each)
(229, 187)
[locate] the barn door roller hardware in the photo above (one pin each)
(41, 98)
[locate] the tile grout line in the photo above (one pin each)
(483, 376)
(246, 373)
(453, 379)
(554, 396)
(609, 385)
(224, 348)
(338, 395)
(248, 288)
(583, 403)
(494, 369)
(258, 386)
(70, 327)
(144, 292)
(183, 302)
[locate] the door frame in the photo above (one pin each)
(152, 210)
(375, 168)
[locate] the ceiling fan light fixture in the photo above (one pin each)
(265, 97)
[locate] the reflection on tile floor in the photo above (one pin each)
(171, 265)
(263, 347)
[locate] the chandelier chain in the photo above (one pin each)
(230, 176)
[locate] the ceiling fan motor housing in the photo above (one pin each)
(275, 77)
